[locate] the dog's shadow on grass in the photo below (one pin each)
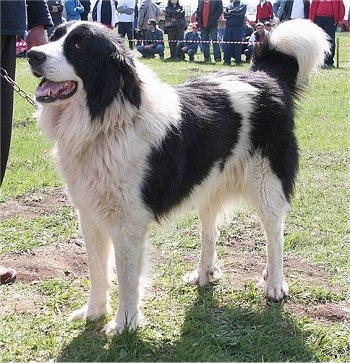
(210, 332)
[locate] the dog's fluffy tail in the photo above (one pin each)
(299, 39)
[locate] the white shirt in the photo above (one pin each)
(126, 18)
(297, 10)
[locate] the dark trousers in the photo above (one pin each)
(233, 50)
(175, 34)
(126, 28)
(327, 24)
(8, 62)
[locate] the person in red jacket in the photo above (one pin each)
(264, 11)
(328, 14)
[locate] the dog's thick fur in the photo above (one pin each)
(132, 149)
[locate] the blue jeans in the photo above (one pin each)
(327, 24)
(180, 54)
(147, 53)
(211, 33)
(221, 32)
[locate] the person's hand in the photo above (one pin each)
(184, 49)
(36, 36)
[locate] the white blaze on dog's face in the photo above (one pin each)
(88, 57)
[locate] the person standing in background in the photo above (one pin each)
(55, 8)
(328, 15)
(126, 10)
(175, 25)
(87, 8)
(208, 13)
(73, 9)
(105, 12)
(234, 15)
(16, 18)
(221, 30)
(264, 11)
(291, 9)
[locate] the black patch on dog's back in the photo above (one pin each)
(205, 137)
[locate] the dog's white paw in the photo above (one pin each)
(274, 289)
(202, 277)
(118, 325)
(89, 313)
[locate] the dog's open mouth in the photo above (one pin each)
(49, 91)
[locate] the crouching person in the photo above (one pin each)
(258, 37)
(153, 44)
(189, 45)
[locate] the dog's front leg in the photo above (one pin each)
(129, 254)
(98, 246)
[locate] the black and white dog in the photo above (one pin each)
(132, 149)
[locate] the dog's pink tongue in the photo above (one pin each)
(50, 88)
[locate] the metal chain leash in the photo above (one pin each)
(16, 87)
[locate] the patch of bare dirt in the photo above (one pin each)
(328, 312)
(36, 204)
(64, 260)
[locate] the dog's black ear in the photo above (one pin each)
(61, 30)
(128, 79)
(114, 77)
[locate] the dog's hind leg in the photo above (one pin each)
(98, 246)
(207, 270)
(129, 253)
(266, 194)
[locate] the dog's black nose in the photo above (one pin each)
(35, 57)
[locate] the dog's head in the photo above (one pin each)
(85, 57)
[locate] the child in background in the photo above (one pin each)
(189, 45)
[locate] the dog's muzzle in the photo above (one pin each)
(48, 91)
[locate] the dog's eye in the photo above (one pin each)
(77, 46)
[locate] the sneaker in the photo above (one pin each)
(161, 56)
(7, 275)
(191, 59)
(226, 64)
(207, 60)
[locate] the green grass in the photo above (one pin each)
(226, 321)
